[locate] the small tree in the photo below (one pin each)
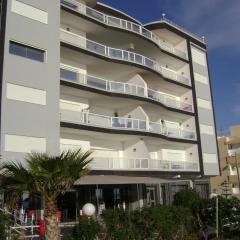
(48, 176)
(228, 215)
(226, 190)
(190, 199)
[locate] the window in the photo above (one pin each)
(26, 51)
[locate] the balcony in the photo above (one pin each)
(234, 152)
(233, 160)
(123, 88)
(106, 163)
(122, 123)
(123, 55)
(122, 24)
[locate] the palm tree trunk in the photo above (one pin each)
(52, 228)
(51, 221)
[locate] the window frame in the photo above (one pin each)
(27, 49)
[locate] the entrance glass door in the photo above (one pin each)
(151, 196)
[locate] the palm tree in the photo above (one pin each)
(48, 176)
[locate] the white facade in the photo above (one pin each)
(87, 76)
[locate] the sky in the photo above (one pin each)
(219, 22)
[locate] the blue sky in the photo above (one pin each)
(219, 22)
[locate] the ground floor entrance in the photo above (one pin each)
(122, 196)
(114, 192)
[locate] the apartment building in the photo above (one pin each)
(229, 154)
(81, 74)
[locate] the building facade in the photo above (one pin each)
(82, 74)
(229, 154)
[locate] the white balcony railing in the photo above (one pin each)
(123, 55)
(125, 88)
(113, 163)
(108, 163)
(122, 123)
(123, 24)
(233, 152)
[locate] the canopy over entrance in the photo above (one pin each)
(114, 179)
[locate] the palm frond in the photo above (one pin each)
(45, 174)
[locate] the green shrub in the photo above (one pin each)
(5, 222)
(204, 211)
(188, 199)
(87, 229)
(119, 225)
(228, 215)
(163, 222)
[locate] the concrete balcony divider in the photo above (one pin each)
(123, 123)
(122, 24)
(125, 88)
(123, 55)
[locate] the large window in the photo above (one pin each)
(27, 51)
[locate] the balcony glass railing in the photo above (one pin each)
(123, 24)
(123, 123)
(106, 163)
(125, 88)
(123, 55)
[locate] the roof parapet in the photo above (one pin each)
(167, 21)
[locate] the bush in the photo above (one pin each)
(5, 222)
(163, 222)
(119, 225)
(188, 199)
(204, 211)
(87, 229)
(228, 215)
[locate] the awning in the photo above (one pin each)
(114, 179)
